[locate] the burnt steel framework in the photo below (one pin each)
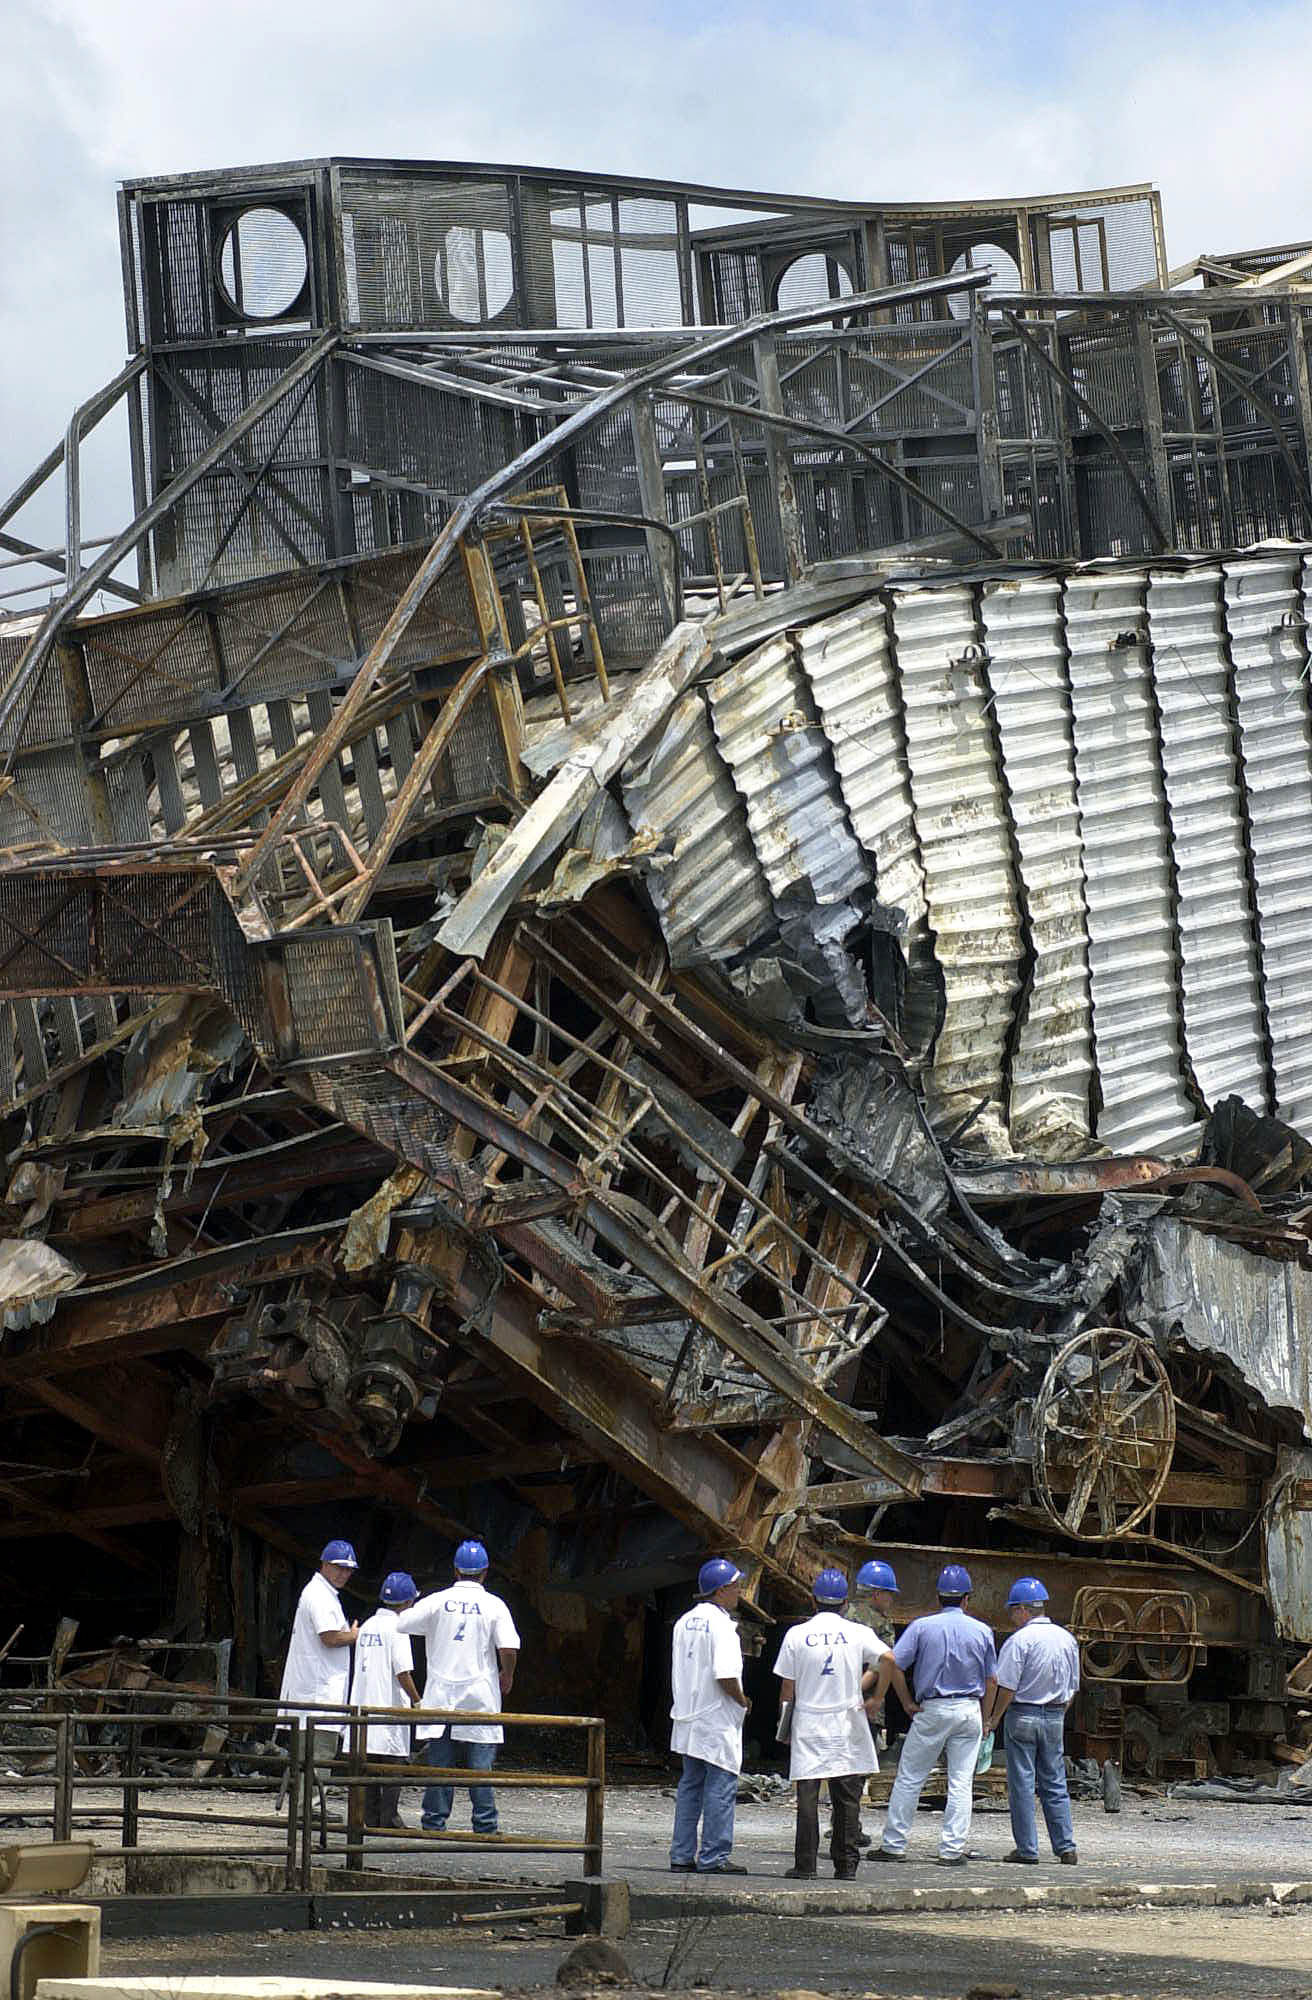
(398, 1126)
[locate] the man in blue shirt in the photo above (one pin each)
(953, 1664)
(1038, 1675)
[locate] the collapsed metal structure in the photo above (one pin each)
(672, 916)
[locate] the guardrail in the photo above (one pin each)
(114, 1727)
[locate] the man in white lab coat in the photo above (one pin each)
(824, 1668)
(708, 1711)
(471, 1647)
(318, 1666)
(384, 1678)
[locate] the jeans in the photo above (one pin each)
(951, 1728)
(708, 1794)
(442, 1751)
(1034, 1757)
(845, 1811)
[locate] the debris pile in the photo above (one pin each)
(654, 939)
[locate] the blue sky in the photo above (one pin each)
(957, 102)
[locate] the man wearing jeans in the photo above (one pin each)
(470, 1647)
(708, 1712)
(1038, 1674)
(952, 1660)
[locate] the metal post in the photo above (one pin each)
(355, 1783)
(62, 1820)
(307, 1808)
(131, 1796)
(293, 1797)
(651, 498)
(594, 1828)
(780, 459)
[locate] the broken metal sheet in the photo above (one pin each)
(963, 831)
(767, 731)
(1248, 1314)
(1287, 1547)
(711, 896)
(1268, 601)
(1191, 678)
(470, 928)
(32, 1278)
(1127, 860)
(1052, 1066)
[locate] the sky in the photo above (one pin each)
(906, 102)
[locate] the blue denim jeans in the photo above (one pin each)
(440, 1750)
(708, 1794)
(1034, 1759)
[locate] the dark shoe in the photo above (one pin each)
(1027, 1860)
(882, 1854)
(1070, 1857)
(845, 1874)
(952, 1860)
(799, 1874)
(724, 1868)
(863, 1840)
(683, 1867)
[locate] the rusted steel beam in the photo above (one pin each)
(41, 1517)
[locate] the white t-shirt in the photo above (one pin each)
(825, 1659)
(463, 1627)
(315, 1672)
(708, 1723)
(382, 1652)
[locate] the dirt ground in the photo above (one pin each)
(1259, 1954)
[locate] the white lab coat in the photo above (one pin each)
(825, 1659)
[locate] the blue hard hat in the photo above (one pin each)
(1026, 1590)
(471, 1557)
(830, 1587)
(954, 1581)
(713, 1575)
(398, 1588)
(339, 1552)
(876, 1576)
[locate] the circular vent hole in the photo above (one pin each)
(809, 281)
(474, 273)
(263, 264)
(1005, 279)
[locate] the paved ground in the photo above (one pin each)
(1159, 1839)
(1158, 1955)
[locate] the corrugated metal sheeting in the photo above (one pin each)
(1090, 797)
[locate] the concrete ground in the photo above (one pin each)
(1152, 1955)
(1153, 1839)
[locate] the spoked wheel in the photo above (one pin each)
(1104, 1427)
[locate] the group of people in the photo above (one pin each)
(471, 1648)
(834, 1674)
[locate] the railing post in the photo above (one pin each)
(594, 1826)
(293, 1797)
(131, 1795)
(780, 460)
(355, 1781)
(62, 1819)
(651, 498)
(307, 1806)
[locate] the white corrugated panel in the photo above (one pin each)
(1222, 999)
(848, 663)
(1132, 940)
(711, 897)
(1053, 1062)
(961, 823)
(767, 731)
(1265, 603)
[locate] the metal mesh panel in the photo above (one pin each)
(181, 269)
(607, 467)
(474, 763)
(419, 251)
(42, 714)
(614, 259)
(48, 802)
(156, 930)
(153, 666)
(327, 994)
(1122, 231)
(1103, 365)
(286, 638)
(431, 435)
(45, 933)
(627, 606)
(1112, 521)
(443, 628)
(734, 281)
